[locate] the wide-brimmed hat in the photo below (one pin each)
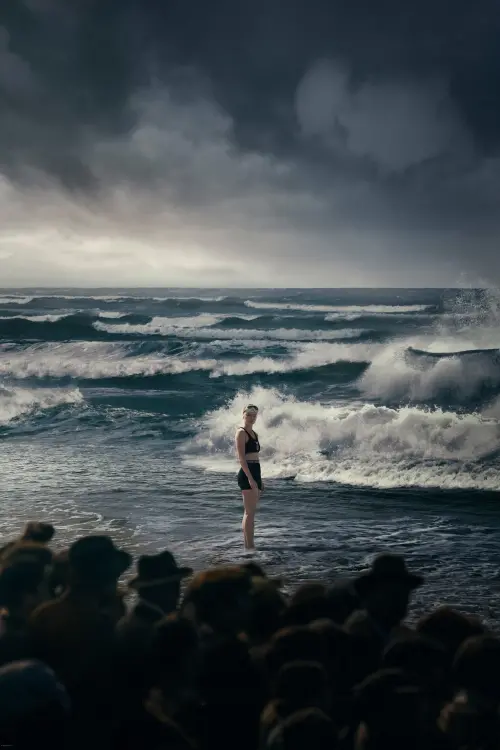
(157, 570)
(386, 568)
(98, 556)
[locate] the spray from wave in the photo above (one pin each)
(399, 373)
(457, 358)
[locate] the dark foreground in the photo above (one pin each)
(223, 659)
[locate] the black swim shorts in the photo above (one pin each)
(243, 482)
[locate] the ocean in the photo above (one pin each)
(379, 425)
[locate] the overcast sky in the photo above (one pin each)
(237, 143)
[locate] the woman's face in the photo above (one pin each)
(250, 417)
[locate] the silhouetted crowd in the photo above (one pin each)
(224, 660)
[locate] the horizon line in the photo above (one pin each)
(242, 288)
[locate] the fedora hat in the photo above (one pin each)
(386, 568)
(156, 570)
(97, 554)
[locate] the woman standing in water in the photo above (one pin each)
(249, 476)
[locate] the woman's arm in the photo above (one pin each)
(240, 450)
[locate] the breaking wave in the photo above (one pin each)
(204, 326)
(94, 360)
(19, 402)
(356, 444)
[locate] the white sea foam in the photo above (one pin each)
(197, 327)
(37, 318)
(15, 300)
(110, 315)
(366, 445)
(18, 402)
(161, 325)
(220, 298)
(337, 309)
(287, 336)
(347, 317)
(98, 297)
(381, 309)
(23, 300)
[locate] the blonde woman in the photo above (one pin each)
(249, 476)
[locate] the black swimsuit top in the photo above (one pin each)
(252, 445)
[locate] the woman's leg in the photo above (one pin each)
(250, 502)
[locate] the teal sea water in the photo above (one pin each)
(379, 424)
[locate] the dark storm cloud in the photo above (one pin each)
(364, 129)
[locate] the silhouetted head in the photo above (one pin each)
(298, 643)
(220, 599)
(386, 587)
(476, 667)
(342, 601)
(158, 580)
(266, 610)
(95, 563)
(37, 531)
(308, 603)
(449, 628)
(35, 535)
(34, 706)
